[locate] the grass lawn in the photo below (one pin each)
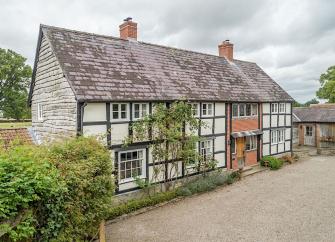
(15, 125)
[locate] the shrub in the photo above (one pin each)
(184, 192)
(55, 193)
(274, 163)
(86, 168)
(32, 195)
(135, 204)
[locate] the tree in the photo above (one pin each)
(14, 82)
(327, 89)
(312, 101)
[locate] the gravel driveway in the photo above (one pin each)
(296, 203)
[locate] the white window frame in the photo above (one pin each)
(253, 142)
(207, 109)
(196, 148)
(274, 137)
(281, 136)
(141, 114)
(282, 107)
(208, 148)
(40, 112)
(309, 131)
(195, 109)
(253, 110)
(119, 112)
(274, 107)
(143, 165)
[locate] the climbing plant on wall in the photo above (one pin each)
(173, 134)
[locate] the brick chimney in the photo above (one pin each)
(226, 50)
(128, 29)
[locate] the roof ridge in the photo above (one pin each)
(142, 42)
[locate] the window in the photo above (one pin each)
(233, 146)
(235, 110)
(251, 143)
(206, 148)
(281, 136)
(195, 109)
(131, 165)
(140, 110)
(309, 131)
(207, 109)
(39, 111)
(274, 107)
(248, 109)
(273, 136)
(254, 109)
(281, 107)
(242, 110)
(192, 160)
(119, 111)
(277, 136)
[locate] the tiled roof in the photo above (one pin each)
(314, 114)
(9, 135)
(105, 68)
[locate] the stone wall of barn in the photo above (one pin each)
(55, 97)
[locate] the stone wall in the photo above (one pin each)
(56, 97)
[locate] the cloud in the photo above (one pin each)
(292, 40)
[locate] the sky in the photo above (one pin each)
(292, 40)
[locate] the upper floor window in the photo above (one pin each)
(251, 143)
(244, 110)
(119, 111)
(274, 107)
(131, 165)
(39, 112)
(195, 109)
(207, 109)
(140, 110)
(281, 107)
(206, 148)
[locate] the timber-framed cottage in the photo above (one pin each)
(88, 84)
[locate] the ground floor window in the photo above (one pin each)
(277, 136)
(251, 143)
(131, 165)
(206, 148)
(233, 146)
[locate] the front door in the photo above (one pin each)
(240, 151)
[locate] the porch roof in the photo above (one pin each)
(246, 133)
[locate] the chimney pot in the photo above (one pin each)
(128, 29)
(226, 49)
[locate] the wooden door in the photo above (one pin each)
(309, 138)
(240, 151)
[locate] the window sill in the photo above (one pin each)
(245, 117)
(127, 180)
(251, 150)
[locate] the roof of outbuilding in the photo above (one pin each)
(314, 114)
(105, 68)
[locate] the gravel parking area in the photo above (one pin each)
(296, 203)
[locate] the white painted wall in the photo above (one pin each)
(220, 109)
(220, 125)
(266, 149)
(274, 119)
(119, 133)
(266, 121)
(221, 158)
(95, 112)
(266, 107)
(281, 120)
(220, 143)
(266, 136)
(273, 149)
(98, 131)
(208, 127)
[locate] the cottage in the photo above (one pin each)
(314, 125)
(88, 84)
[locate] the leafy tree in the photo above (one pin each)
(14, 82)
(312, 101)
(327, 89)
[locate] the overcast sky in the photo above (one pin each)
(292, 40)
